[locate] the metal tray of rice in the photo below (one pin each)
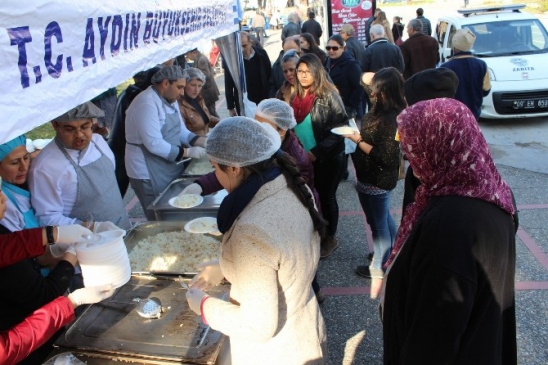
(164, 211)
(166, 248)
(200, 166)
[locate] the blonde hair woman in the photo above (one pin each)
(382, 20)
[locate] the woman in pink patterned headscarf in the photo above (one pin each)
(449, 295)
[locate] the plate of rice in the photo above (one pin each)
(185, 201)
(343, 130)
(202, 225)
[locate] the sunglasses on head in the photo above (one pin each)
(334, 48)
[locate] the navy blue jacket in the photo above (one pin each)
(471, 72)
(380, 54)
(346, 74)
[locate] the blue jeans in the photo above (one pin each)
(377, 213)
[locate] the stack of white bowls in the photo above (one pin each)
(104, 260)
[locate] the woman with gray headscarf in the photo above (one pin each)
(193, 107)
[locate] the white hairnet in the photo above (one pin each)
(278, 112)
(241, 141)
(195, 73)
(172, 73)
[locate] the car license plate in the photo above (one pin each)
(531, 104)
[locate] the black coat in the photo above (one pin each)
(380, 54)
(345, 73)
(356, 49)
(276, 77)
(398, 31)
(313, 27)
(449, 296)
(327, 113)
(264, 75)
(24, 289)
(380, 166)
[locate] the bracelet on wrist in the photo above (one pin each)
(202, 302)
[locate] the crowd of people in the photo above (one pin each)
(445, 276)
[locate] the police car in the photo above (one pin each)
(514, 44)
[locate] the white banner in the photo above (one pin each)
(57, 54)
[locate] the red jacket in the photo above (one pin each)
(18, 342)
(20, 245)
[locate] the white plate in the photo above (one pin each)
(188, 201)
(343, 130)
(202, 225)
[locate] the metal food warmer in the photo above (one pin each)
(166, 212)
(112, 331)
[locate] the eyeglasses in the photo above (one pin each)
(72, 130)
(245, 45)
(303, 72)
(334, 48)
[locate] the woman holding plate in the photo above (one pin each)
(318, 109)
(376, 160)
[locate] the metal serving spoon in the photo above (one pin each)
(149, 308)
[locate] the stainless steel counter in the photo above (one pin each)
(113, 331)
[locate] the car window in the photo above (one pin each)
(509, 37)
(442, 28)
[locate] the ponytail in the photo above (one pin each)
(297, 184)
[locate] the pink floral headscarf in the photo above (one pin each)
(449, 154)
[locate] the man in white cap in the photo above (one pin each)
(157, 138)
(72, 180)
(474, 80)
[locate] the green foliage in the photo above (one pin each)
(44, 131)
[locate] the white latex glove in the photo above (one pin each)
(71, 233)
(58, 250)
(90, 295)
(195, 152)
(192, 189)
(194, 297)
(210, 276)
(99, 227)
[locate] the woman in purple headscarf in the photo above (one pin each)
(449, 295)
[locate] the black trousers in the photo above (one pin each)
(327, 175)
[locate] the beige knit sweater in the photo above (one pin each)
(270, 256)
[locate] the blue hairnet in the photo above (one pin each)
(6, 148)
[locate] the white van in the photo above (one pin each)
(514, 44)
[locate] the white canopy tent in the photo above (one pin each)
(57, 54)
